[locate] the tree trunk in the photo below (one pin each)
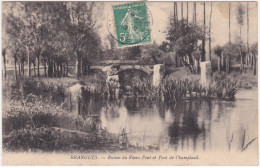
(241, 60)
(78, 66)
(187, 11)
(15, 71)
(34, 70)
(23, 67)
(219, 64)
(19, 68)
(197, 65)
(194, 12)
(254, 67)
(222, 62)
(38, 65)
(191, 64)
(210, 16)
(241, 64)
(64, 69)
(29, 61)
(227, 64)
(247, 62)
(176, 11)
(182, 10)
(67, 69)
(81, 67)
(61, 69)
(58, 70)
(229, 35)
(45, 71)
(4, 60)
(54, 69)
(252, 60)
(29, 66)
(203, 52)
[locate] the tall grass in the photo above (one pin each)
(27, 87)
(172, 89)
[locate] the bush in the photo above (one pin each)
(43, 126)
(25, 87)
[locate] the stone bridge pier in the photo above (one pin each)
(156, 71)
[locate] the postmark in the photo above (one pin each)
(132, 24)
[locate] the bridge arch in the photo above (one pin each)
(145, 69)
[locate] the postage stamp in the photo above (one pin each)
(132, 24)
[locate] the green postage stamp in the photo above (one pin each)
(132, 24)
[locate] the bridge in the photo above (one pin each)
(114, 67)
(148, 69)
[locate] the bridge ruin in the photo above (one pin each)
(112, 70)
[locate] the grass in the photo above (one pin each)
(29, 88)
(37, 125)
(35, 119)
(173, 90)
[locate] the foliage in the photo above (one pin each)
(240, 14)
(26, 87)
(152, 55)
(33, 126)
(53, 32)
(225, 87)
(218, 50)
(254, 48)
(184, 37)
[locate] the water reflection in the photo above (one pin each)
(190, 125)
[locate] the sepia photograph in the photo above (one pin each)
(129, 83)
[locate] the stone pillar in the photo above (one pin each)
(113, 78)
(205, 76)
(158, 72)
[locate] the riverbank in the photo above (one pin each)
(37, 113)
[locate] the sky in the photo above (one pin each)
(161, 12)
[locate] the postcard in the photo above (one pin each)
(137, 83)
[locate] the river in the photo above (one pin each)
(191, 125)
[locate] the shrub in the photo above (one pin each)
(25, 87)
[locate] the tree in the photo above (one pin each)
(181, 10)
(254, 52)
(187, 11)
(240, 20)
(133, 53)
(196, 54)
(194, 12)
(4, 60)
(240, 16)
(112, 41)
(229, 51)
(218, 51)
(229, 34)
(247, 22)
(152, 54)
(203, 51)
(210, 16)
(183, 38)
(84, 40)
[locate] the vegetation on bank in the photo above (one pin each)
(36, 113)
(41, 126)
(173, 90)
(36, 118)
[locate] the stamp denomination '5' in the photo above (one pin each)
(132, 24)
